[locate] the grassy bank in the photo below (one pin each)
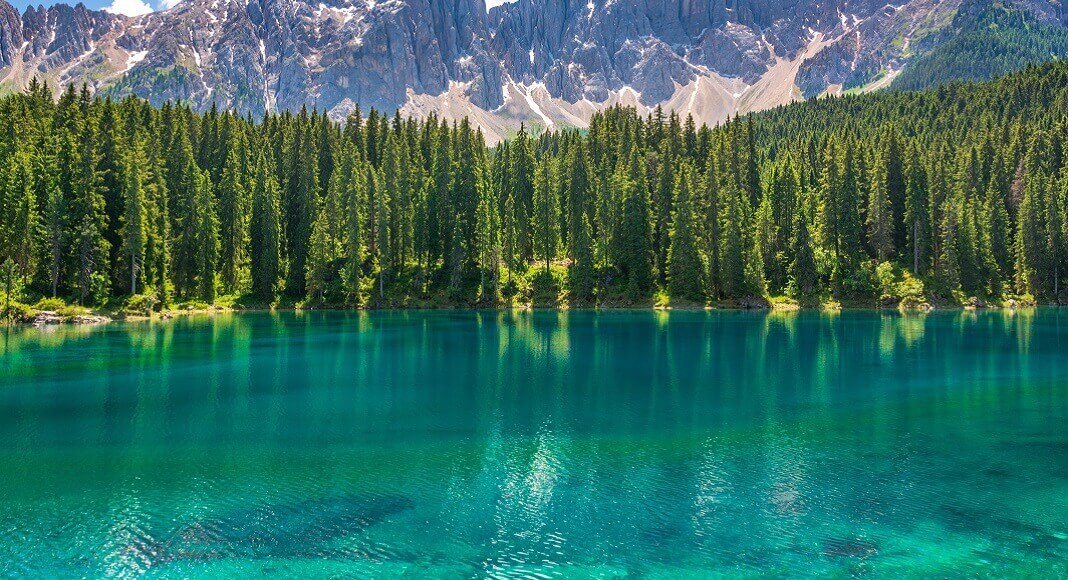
(891, 287)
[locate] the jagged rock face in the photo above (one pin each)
(264, 54)
(10, 34)
(583, 50)
(561, 59)
(284, 54)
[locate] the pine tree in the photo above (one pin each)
(382, 246)
(19, 222)
(1056, 230)
(891, 166)
(207, 237)
(354, 250)
(319, 257)
(575, 182)
(464, 199)
(88, 217)
(545, 224)
(685, 264)
(327, 238)
(949, 234)
(880, 210)
(265, 232)
(711, 202)
(522, 190)
(300, 202)
(134, 217)
(917, 214)
(110, 157)
(803, 268)
(1032, 239)
(663, 203)
(234, 206)
(439, 215)
(489, 247)
(635, 234)
(582, 270)
(183, 177)
(55, 217)
(157, 251)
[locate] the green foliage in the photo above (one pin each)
(14, 311)
(547, 287)
(987, 38)
(686, 268)
(142, 304)
(956, 191)
(50, 304)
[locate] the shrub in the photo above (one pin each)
(69, 310)
(141, 304)
(544, 288)
(50, 304)
(15, 311)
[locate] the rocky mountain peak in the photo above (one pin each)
(540, 62)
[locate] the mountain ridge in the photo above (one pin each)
(539, 62)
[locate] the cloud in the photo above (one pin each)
(129, 7)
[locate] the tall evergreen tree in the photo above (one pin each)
(803, 268)
(265, 232)
(685, 264)
(234, 207)
(135, 216)
(207, 237)
(880, 210)
(545, 222)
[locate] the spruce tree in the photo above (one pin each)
(88, 218)
(134, 216)
(880, 210)
(917, 214)
(685, 264)
(265, 232)
(545, 224)
(523, 184)
(635, 235)
(803, 268)
(234, 206)
(353, 249)
(19, 221)
(207, 237)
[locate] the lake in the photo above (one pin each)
(573, 444)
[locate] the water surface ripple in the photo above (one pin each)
(544, 444)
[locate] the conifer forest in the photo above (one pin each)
(947, 195)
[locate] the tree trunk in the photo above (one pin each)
(7, 295)
(915, 247)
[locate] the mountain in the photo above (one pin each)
(986, 39)
(540, 62)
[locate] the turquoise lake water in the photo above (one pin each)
(478, 444)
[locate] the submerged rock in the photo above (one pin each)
(280, 530)
(89, 319)
(849, 548)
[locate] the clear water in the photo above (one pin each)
(466, 444)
